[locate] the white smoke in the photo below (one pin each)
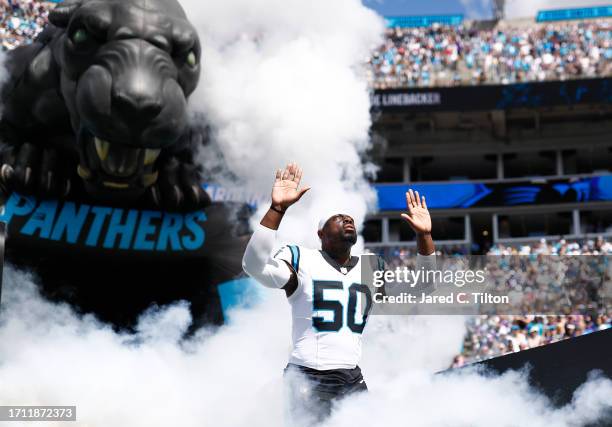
(283, 81)
(232, 377)
(417, 398)
(529, 8)
(50, 356)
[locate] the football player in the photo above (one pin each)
(324, 288)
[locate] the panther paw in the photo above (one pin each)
(34, 170)
(178, 187)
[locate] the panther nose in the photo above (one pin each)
(138, 107)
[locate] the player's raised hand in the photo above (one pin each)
(286, 191)
(418, 215)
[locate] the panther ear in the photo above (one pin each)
(61, 14)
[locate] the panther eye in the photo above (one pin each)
(192, 61)
(80, 36)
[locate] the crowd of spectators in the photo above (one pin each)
(21, 21)
(458, 55)
(432, 56)
(567, 282)
(492, 336)
(572, 277)
(599, 246)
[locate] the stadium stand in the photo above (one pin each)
(434, 50)
(492, 336)
(446, 55)
(524, 168)
(495, 335)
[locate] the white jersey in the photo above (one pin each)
(329, 305)
(327, 309)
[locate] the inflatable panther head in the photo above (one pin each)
(116, 75)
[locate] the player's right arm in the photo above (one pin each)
(258, 262)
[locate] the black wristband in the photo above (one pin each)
(277, 210)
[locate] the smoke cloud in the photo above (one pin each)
(233, 376)
(283, 81)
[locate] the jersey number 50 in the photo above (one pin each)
(320, 303)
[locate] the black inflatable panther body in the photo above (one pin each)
(99, 100)
(95, 112)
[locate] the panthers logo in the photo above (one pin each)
(98, 104)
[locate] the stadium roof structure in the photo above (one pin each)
(579, 13)
(422, 21)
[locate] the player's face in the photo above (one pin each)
(340, 228)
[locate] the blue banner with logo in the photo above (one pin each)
(391, 197)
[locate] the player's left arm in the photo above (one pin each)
(420, 221)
